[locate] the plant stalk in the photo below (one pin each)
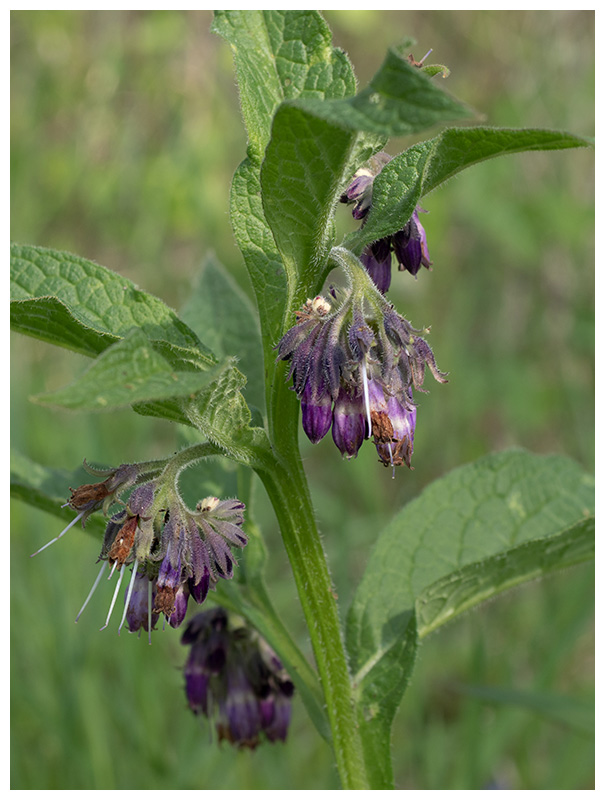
(288, 491)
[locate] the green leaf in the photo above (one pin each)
(477, 582)
(568, 711)
(72, 302)
(301, 178)
(128, 372)
(473, 516)
(262, 259)
(316, 145)
(400, 100)
(224, 318)
(220, 413)
(385, 692)
(280, 55)
(424, 166)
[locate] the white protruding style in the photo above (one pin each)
(115, 597)
(92, 591)
(64, 531)
(129, 593)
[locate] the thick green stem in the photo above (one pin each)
(288, 491)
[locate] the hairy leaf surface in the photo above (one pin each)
(484, 527)
(421, 168)
(482, 580)
(223, 316)
(280, 55)
(72, 302)
(128, 372)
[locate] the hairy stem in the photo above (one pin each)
(288, 491)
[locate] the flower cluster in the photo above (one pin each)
(354, 369)
(175, 553)
(233, 677)
(409, 244)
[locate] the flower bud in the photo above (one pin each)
(316, 409)
(409, 243)
(410, 246)
(348, 422)
(139, 613)
(379, 269)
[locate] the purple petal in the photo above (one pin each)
(348, 423)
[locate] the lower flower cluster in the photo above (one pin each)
(234, 678)
(174, 553)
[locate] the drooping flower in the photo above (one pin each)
(348, 421)
(174, 553)
(376, 258)
(393, 426)
(410, 247)
(139, 610)
(409, 244)
(359, 191)
(236, 680)
(91, 497)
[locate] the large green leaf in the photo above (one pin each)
(75, 303)
(225, 319)
(72, 302)
(316, 145)
(301, 178)
(128, 372)
(424, 166)
(482, 580)
(400, 100)
(280, 55)
(484, 527)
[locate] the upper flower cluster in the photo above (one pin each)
(175, 553)
(408, 244)
(354, 369)
(234, 677)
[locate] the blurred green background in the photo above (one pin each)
(125, 133)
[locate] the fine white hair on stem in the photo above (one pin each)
(129, 593)
(92, 591)
(64, 531)
(114, 598)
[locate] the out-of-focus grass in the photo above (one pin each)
(125, 134)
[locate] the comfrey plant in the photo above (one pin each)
(339, 355)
